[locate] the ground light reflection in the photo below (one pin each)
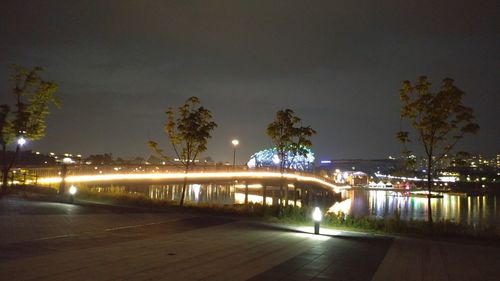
(343, 207)
(324, 234)
(239, 198)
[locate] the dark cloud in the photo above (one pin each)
(339, 64)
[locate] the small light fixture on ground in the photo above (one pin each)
(317, 219)
(72, 190)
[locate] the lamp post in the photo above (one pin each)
(317, 219)
(235, 143)
(72, 192)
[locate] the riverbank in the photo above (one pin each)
(289, 215)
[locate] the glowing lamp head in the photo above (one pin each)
(21, 141)
(235, 142)
(72, 190)
(317, 214)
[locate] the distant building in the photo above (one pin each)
(385, 166)
(359, 179)
(326, 166)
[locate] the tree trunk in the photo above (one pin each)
(295, 196)
(62, 185)
(181, 203)
(286, 195)
(246, 194)
(280, 206)
(264, 189)
(282, 182)
(429, 188)
(5, 172)
(5, 180)
(7, 166)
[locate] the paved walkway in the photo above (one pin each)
(418, 259)
(55, 241)
(339, 258)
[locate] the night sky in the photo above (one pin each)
(337, 64)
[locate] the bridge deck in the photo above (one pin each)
(169, 174)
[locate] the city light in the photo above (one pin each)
(67, 160)
(21, 141)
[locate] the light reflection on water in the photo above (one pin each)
(217, 194)
(471, 210)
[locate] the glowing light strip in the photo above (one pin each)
(249, 186)
(190, 176)
(441, 179)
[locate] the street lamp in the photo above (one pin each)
(21, 141)
(317, 219)
(235, 143)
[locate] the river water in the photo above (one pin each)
(470, 210)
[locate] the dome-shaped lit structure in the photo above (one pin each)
(269, 158)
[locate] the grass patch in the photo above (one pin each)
(32, 192)
(394, 225)
(302, 216)
(128, 199)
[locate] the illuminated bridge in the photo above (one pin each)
(264, 179)
(173, 174)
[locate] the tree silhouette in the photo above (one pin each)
(188, 128)
(33, 95)
(439, 120)
(290, 139)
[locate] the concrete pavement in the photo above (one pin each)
(56, 241)
(422, 259)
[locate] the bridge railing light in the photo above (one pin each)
(77, 178)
